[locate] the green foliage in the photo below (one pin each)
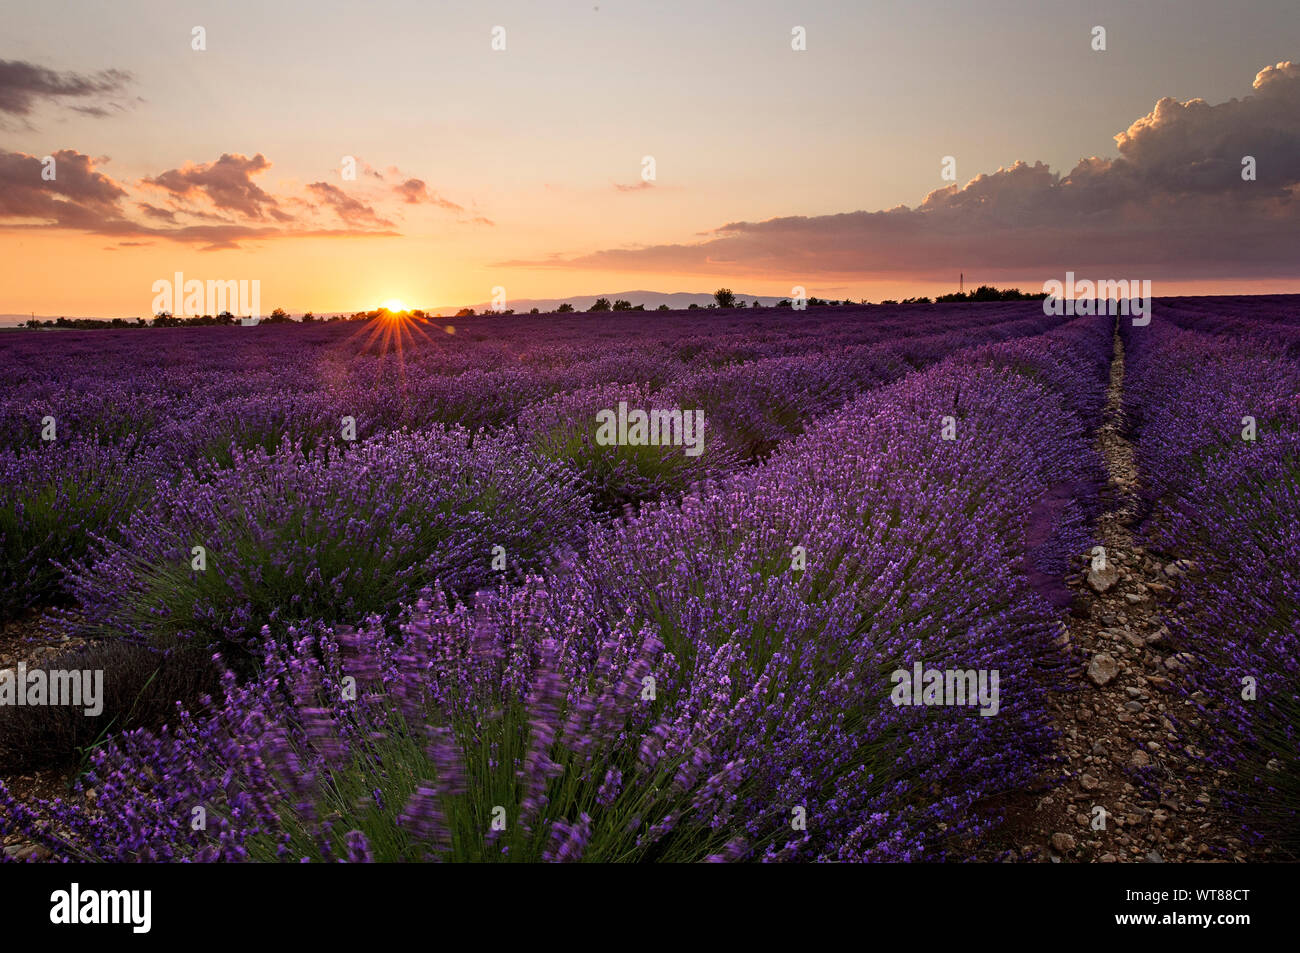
(49, 515)
(619, 476)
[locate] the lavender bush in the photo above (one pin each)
(678, 686)
(1229, 508)
(322, 534)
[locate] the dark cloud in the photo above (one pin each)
(1172, 203)
(225, 184)
(82, 198)
(24, 85)
(77, 196)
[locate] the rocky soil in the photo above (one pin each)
(1124, 759)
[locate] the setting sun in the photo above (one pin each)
(395, 305)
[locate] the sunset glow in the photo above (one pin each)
(832, 174)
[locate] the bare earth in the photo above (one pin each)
(1121, 748)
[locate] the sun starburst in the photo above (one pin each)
(392, 328)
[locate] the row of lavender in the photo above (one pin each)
(1214, 402)
(193, 391)
(707, 678)
(1269, 319)
(153, 458)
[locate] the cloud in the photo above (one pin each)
(1172, 204)
(415, 192)
(98, 112)
(153, 211)
(350, 210)
(83, 198)
(224, 237)
(77, 196)
(225, 184)
(639, 187)
(412, 191)
(23, 85)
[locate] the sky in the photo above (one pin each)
(525, 168)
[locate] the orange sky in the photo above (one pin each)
(523, 167)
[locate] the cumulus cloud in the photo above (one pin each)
(77, 196)
(23, 85)
(225, 184)
(1172, 203)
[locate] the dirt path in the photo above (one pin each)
(1123, 761)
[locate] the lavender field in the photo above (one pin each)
(401, 591)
